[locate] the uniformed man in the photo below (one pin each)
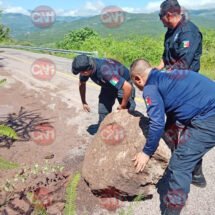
(192, 106)
(183, 40)
(182, 50)
(114, 79)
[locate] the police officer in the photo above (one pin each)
(192, 106)
(114, 79)
(182, 50)
(183, 40)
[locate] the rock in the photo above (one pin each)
(108, 168)
(49, 156)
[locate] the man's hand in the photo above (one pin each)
(86, 108)
(120, 107)
(140, 161)
(161, 66)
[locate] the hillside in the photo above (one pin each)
(139, 24)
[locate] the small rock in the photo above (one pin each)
(49, 156)
(22, 171)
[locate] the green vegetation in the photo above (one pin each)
(4, 32)
(130, 209)
(70, 207)
(208, 57)
(75, 39)
(127, 50)
(23, 29)
(39, 210)
(5, 165)
(2, 82)
(8, 132)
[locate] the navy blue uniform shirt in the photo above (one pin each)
(108, 73)
(184, 94)
(183, 47)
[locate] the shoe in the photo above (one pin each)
(198, 178)
(199, 181)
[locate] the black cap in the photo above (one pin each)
(82, 63)
(171, 6)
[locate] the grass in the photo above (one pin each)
(71, 193)
(2, 82)
(129, 210)
(7, 165)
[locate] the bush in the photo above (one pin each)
(4, 32)
(75, 39)
(128, 50)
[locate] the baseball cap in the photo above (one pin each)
(82, 63)
(169, 6)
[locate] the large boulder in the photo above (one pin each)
(108, 160)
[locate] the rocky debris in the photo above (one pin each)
(108, 164)
(43, 191)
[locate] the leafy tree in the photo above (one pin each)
(75, 39)
(4, 31)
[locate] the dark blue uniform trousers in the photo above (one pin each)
(107, 98)
(186, 156)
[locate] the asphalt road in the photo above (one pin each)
(23, 67)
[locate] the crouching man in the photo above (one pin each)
(190, 98)
(114, 79)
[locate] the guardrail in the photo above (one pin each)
(94, 53)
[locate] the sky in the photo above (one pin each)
(94, 7)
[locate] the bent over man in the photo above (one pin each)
(192, 106)
(114, 79)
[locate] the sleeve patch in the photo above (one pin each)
(148, 101)
(114, 80)
(186, 44)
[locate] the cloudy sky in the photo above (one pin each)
(94, 7)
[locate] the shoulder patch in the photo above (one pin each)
(185, 44)
(148, 101)
(114, 80)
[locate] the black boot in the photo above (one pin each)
(172, 211)
(198, 176)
